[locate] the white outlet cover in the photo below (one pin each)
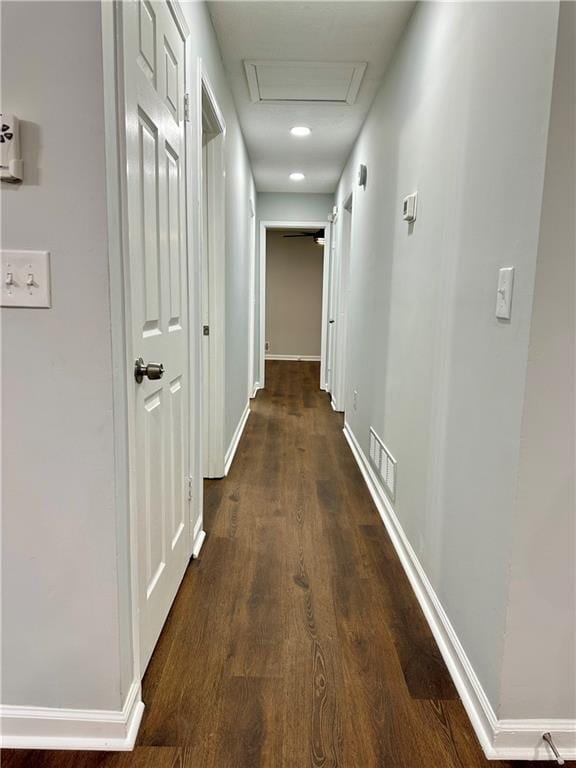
(26, 279)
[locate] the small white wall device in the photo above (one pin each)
(25, 279)
(504, 293)
(11, 165)
(409, 207)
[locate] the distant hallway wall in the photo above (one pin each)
(293, 295)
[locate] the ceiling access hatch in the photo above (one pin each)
(304, 81)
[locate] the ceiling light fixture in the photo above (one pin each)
(300, 130)
(296, 176)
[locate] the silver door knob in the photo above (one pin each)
(151, 370)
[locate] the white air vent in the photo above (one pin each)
(383, 463)
(297, 81)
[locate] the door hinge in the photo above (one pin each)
(206, 330)
(187, 107)
(190, 489)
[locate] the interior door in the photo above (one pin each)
(154, 59)
(332, 309)
(342, 294)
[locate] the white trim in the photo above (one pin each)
(251, 298)
(194, 247)
(303, 358)
(120, 313)
(214, 457)
(90, 729)
(275, 224)
(255, 390)
(325, 303)
(342, 257)
(500, 739)
(233, 447)
(522, 739)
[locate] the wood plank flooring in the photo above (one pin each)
(295, 640)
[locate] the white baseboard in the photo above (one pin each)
(522, 739)
(82, 729)
(233, 447)
(303, 358)
(255, 390)
(500, 739)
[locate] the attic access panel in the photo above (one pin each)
(304, 81)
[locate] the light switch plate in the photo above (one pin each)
(504, 295)
(26, 279)
(409, 205)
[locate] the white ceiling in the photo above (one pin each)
(290, 30)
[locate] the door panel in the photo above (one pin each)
(154, 87)
(330, 341)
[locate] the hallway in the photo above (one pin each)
(295, 640)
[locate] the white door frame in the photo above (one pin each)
(213, 411)
(121, 332)
(331, 305)
(265, 225)
(342, 274)
(252, 387)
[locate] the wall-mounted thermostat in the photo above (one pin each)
(409, 207)
(11, 165)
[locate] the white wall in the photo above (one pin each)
(65, 588)
(281, 206)
(239, 224)
(294, 275)
(61, 629)
(462, 117)
(541, 623)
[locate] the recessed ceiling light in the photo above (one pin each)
(300, 130)
(296, 176)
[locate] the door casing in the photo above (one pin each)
(212, 207)
(342, 287)
(264, 226)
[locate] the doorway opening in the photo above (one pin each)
(294, 265)
(212, 206)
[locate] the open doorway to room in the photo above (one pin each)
(212, 205)
(293, 299)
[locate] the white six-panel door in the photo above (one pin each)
(154, 60)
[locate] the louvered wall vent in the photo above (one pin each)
(304, 81)
(383, 463)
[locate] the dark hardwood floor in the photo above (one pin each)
(295, 640)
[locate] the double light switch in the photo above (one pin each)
(26, 279)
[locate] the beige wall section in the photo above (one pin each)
(293, 294)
